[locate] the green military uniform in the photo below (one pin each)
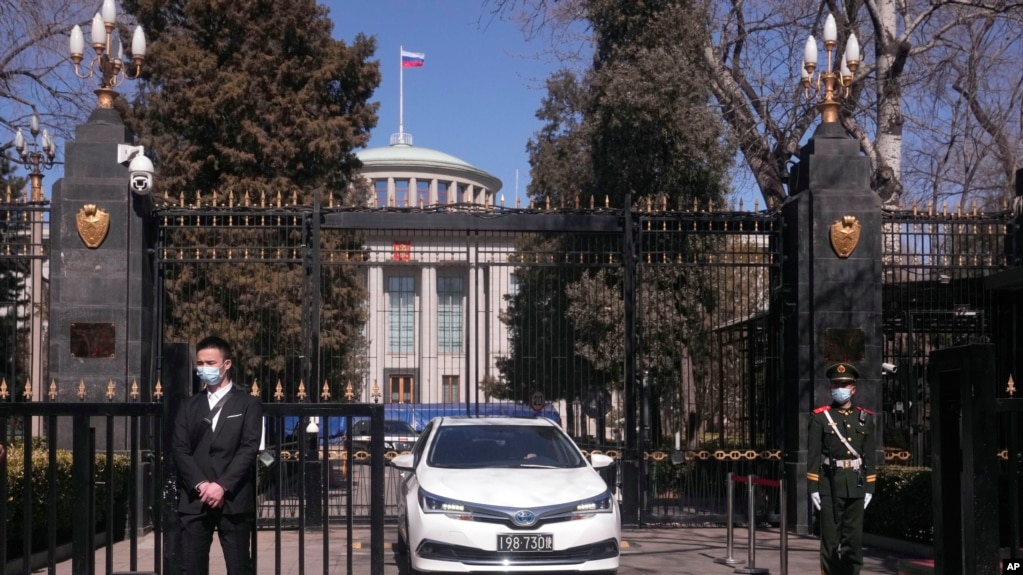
(841, 477)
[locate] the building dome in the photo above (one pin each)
(407, 175)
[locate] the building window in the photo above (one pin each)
(450, 291)
(401, 314)
(380, 187)
(401, 389)
(460, 190)
(422, 193)
(401, 196)
(449, 388)
(442, 193)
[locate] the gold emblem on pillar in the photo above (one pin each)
(93, 225)
(845, 234)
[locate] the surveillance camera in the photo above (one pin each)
(889, 368)
(140, 174)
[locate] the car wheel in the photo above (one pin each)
(400, 546)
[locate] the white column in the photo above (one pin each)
(376, 330)
(428, 364)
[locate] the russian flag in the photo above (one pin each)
(412, 59)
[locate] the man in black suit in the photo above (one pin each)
(216, 440)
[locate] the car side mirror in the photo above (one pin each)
(403, 462)
(600, 461)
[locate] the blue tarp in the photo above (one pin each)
(419, 414)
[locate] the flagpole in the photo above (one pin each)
(401, 93)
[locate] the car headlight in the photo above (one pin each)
(589, 507)
(431, 503)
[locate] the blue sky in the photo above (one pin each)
(477, 94)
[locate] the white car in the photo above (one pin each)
(499, 494)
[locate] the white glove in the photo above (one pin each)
(866, 499)
(816, 498)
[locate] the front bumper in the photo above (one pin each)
(441, 543)
(470, 556)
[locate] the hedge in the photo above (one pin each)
(65, 494)
(902, 507)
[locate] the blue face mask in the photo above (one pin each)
(841, 394)
(210, 375)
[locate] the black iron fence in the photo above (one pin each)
(648, 334)
(934, 297)
(100, 476)
(77, 486)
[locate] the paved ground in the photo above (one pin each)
(679, 551)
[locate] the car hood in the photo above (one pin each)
(525, 487)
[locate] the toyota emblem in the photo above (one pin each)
(524, 518)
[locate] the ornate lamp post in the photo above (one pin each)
(35, 155)
(828, 86)
(109, 60)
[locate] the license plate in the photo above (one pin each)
(525, 543)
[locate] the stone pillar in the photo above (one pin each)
(832, 303)
(101, 282)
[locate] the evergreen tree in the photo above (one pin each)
(13, 271)
(256, 100)
(636, 124)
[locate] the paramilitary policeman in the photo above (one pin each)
(841, 472)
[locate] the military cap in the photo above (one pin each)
(842, 372)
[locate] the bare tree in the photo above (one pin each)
(35, 73)
(935, 104)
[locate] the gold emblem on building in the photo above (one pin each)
(845, 234)
(93, 225)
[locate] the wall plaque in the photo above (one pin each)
(93, 339)
(844, 345)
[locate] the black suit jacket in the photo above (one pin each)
(226, 455)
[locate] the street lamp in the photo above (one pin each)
(35, 155)
(828, 87)
(109, 59)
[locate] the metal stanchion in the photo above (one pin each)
(752, 541)
(729, 537)
(783, 545)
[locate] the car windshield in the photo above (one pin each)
(509, 446)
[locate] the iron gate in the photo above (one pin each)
(644, 332)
